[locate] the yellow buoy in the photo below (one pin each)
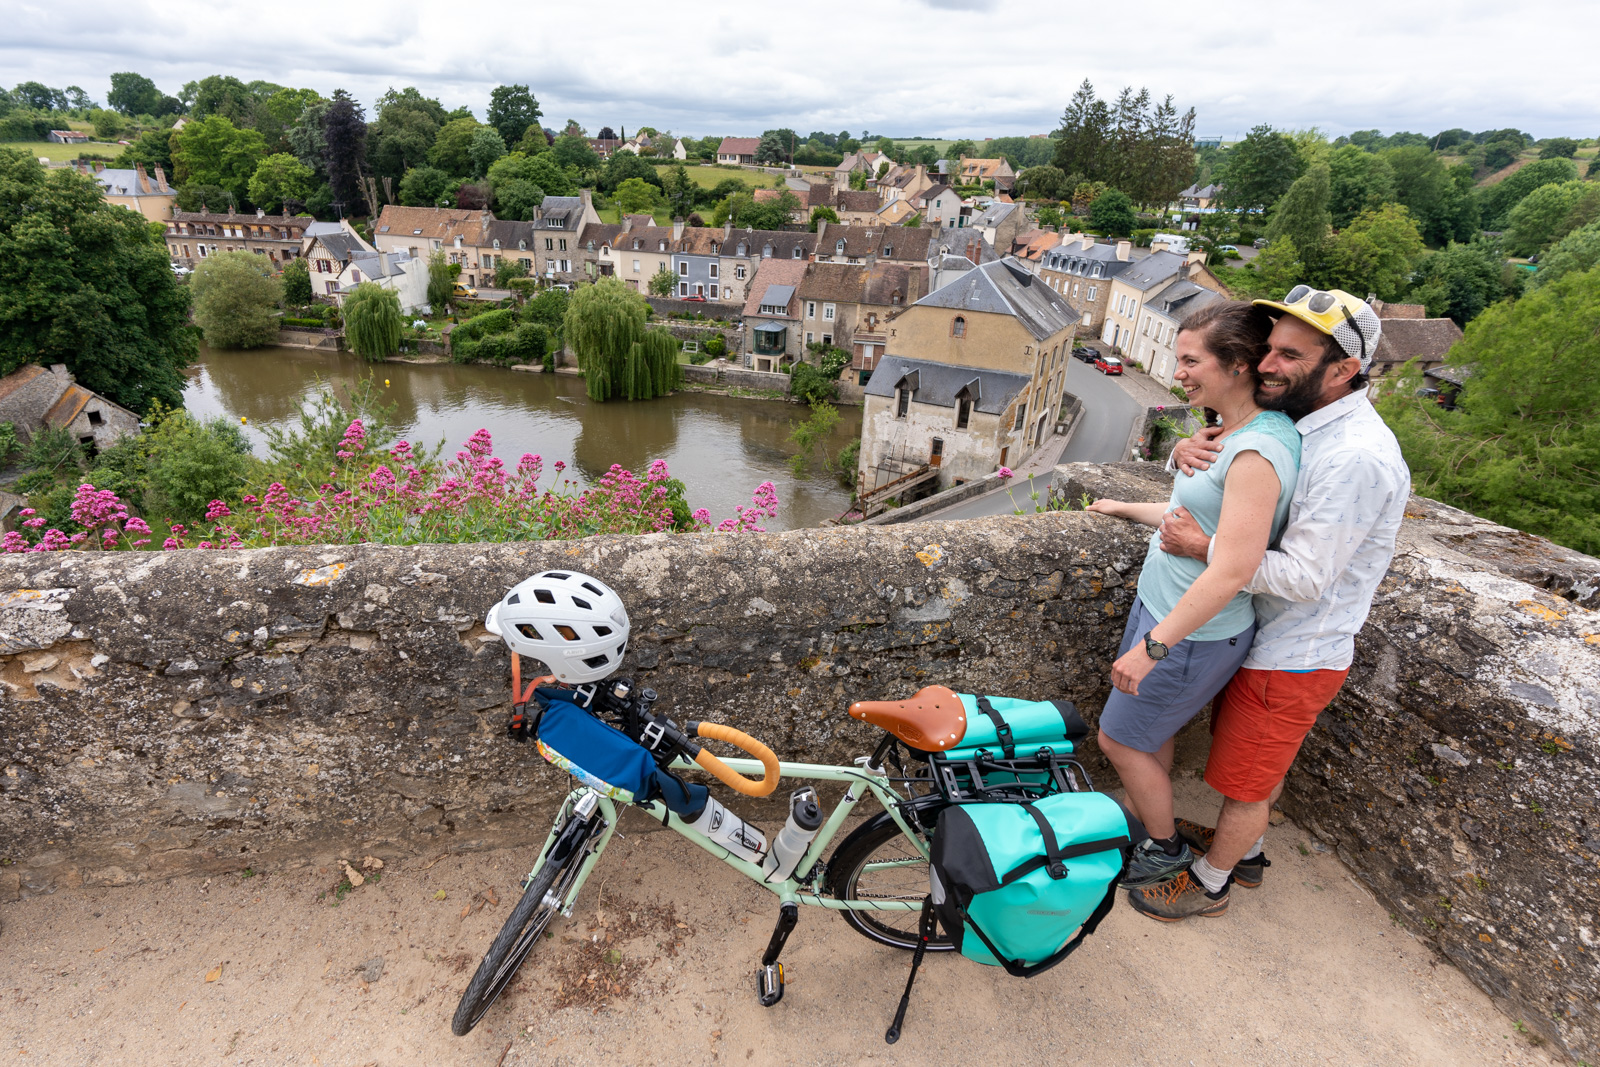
(243, 419)
(386, 383)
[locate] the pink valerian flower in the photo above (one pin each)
(1003, 473)
(27, 511)
(136, 525)
(35, 522)
(355, 437)
(480, 443)
(702, 516)
(13, 542)
(171, 544)
(52, 541)
(92, 508)
(217, 509)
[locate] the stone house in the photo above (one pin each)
(1408, 334)
(418, 231)
(193, 235)
(33, 398)
(640, 252)
(148, 194)
(905, 183)
(738, 150)
(744, 251)
(969, 244)
(594, 254)
(327, 249)
(1144, 279)
(558, 231)
(896, 212)
(850, 306)
(992, 347)
(975, 171)
(860, 244)
(856, 207)
(772, 314)
(1029, 248)
(999, 223)
(1081, 271)
(1154, 348)
(864, 161)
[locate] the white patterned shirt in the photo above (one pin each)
(1314, 589)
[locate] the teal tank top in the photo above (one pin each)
(1166, 577)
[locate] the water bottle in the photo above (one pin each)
(717, 823)
(805, 819)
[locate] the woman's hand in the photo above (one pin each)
(1107, 507)
(1130, 669)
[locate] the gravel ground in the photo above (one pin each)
(657, 965)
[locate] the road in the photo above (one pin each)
(1101, 437)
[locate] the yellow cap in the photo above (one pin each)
(1348, 319)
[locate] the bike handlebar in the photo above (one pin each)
(715, 731)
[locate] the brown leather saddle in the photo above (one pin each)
(931, 721)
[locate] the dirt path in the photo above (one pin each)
(657, 965)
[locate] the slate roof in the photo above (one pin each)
(647, 239)
(1151, 271)
(427, 222)
(508, 232)
(342, 245)
(604, 233)
(118, 181)
(1006, 288)
(1072, 258)
(317, 229)
(783, 273)
(295, 223)
(378, 265)
(1200, 193)
(929, 195)
(567, 209)
(888, 242)
(738, 146)
(783, 243)
(640, 220)
(1425, 339)
(1180, 299)
(938, 383)
(994, 214)
(962, 241)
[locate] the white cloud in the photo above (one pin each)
(905, 67)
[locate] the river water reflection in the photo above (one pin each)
(721, 447)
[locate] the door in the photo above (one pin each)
(1003, 453)
(936, 454)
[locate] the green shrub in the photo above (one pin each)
(488, 322)
(315, 324)
(715, 346)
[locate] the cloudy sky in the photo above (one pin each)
(900, 67)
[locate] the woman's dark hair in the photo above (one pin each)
(1234, 331)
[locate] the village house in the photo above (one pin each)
(1142, 280)
(972, 380)
(397, 272)
(999, 223)
(772, 315)
(1029, 248)
(738, 150)
(744, 251)
(866, 162)
(33, 398)
(940, 206)
(859, 244)
(419, 231)
(1156, 345)
(1081, 271)
(597, 241)
(697, 263)
(1195, 201)
(849, 307)
(147, 193)
(193, 235)
(896, 212)
(327, 249)
(1408, 334)
(977, 171)
(641, 252)
(558, 230)
(857, 207)
(905, 183)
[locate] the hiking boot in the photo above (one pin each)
(1150, 864)
(1246, 873)
(1178, 898)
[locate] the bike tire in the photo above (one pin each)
(878, 862)
(521, 932)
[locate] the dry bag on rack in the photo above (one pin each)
(1025, 747)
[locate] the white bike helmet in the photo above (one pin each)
(575, 624)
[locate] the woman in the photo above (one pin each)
(1191, 625)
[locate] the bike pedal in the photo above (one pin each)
(769, 984)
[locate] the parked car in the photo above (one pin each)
(1108, 365)
(1229, 248)
(463, 289)
(697, 299)
(1086, 355)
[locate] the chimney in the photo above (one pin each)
(1195, 258)
(141, 182)
(161, 180)
(588, 200)
(822, 228)
(1087, 240)
(1124, 249)
(261, 212)
(98, 167)
(677, 229)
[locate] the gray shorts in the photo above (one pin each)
(1176, 689)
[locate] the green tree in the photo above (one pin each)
(296, 283)
(1460, 281)
(372, 321)
(188, 464)
(1043, 183)
(572, 150)
(1269, 276)
(822, 213)
(1432, 193)
(278, 179)
(152, 149)
(1541, 217)
(403, 132)
(1376, 253)
(1051, 215)
(452, 148)
(133, 94)
(425, 187)
(541, 171)
(517, 200)
(441, 282)
(1523, 445)
(89, 285)
(681, 192)
(512, 109)
(1575, 253)
(1302, 214)
(236, 300)
(1558, 148)
(213, 151)
(858, 180)
(810, 437)
(1260, 169)
(344, 136)
(487, 147)
(624, 165)
(662, 283)
(637, 196)
(1496, 201)
(604, 328)
(1358, 181)
(1112, 213)
(224, 96)
(108, 125)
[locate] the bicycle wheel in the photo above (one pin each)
(878, 862)
(540, 903)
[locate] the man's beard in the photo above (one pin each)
(1298, 399)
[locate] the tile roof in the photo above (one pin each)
(603, 233)
(640, 220)
(738, 146)
(939, 383)
(429, 222)
(763, 195)
(929, 195)
(293, 222)
(856, 200)
(1427, 339)
(848, 283)
(773, 272)
(1006, 288)
(885, 242)
(783, 243)
(1400, 311)
(1032, 245)
(67, 406)
(648, 239)
(23, 375)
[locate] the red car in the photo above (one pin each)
(697, 299)
(1108, 365)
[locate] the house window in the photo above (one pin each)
(827, 312)
(563, 244)
(713, 269)
(798, 252)
(713, 290)
(766, 251)
(1094, 291)
(95, 418)
(683, 288)
(683, 268)
(888, 251)
(566, 265)
(811, 338)
(636, 266)
(958, 328)
(811, 309)
(1022, 414)
(827, 338)
(902, 403)
(549, 244)
(936, 452)
(738, 272)
(963, 413)
(1087, 318)
(1096, 272)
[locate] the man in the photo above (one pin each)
(1312, 592)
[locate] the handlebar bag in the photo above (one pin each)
(604, 758)
(1020, 885)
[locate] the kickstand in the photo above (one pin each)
(769, 979)
(925, 930)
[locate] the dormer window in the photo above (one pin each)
(637, 244)
(497, 244)
(661, 246)
(1096, 272)
(895, 298)
(839, 247)
(557, 223)
(766, 251)
(522, 245)
(715, 248)
(741, 249)
(798, 252)
(888, 251)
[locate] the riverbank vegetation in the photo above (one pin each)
(605, 328)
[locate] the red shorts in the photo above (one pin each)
(1257, 725)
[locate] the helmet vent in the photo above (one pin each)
(513, 599)
(596, 662)
(529, 632)
(602, 631)
(544, 596)
(566, 631)
(593, 589)
(558, 576)
(582, 603)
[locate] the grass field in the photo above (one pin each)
(62, 153)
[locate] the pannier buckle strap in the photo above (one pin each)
(1002, 729)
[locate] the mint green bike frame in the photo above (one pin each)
(861, 781)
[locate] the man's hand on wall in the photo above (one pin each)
(1182, 536)
(1197, 453)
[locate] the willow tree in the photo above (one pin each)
(604, 327)
(372, 321)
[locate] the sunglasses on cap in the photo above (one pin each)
(1319, 302)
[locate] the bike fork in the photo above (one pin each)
(769, 979)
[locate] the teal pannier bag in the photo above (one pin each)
(1024, 747)
(1011, 883)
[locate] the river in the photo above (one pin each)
(720, 447)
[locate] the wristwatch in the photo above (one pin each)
(1153, 648)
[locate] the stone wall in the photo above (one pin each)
(711, 309)
(206, 711)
